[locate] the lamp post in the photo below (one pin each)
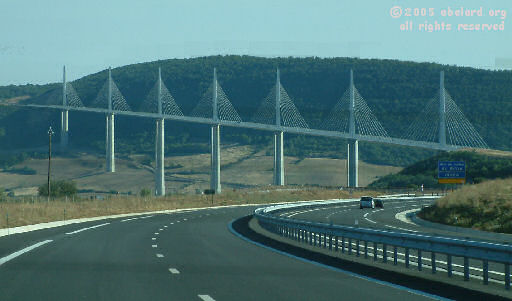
(50, 133)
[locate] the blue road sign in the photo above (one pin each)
(451, 170)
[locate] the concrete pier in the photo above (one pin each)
(278, 159)
(352, 164)
(111, 164)
(64, 129)
(215, 157)
(159, 159)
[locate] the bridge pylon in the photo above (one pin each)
(278, 138)
(442, 111)
(111, 164)
(353, 147)
(215, 139)
(159, 143)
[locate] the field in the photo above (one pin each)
(241, 167)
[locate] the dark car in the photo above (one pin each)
(379, 203)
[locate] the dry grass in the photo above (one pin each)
(26, 212)
(485, 206)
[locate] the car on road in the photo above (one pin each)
(366, 202)
(379, 203)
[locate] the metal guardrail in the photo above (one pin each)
(311, 233)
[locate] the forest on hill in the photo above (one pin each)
(396, 92)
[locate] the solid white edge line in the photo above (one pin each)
(381, 282)
(22, 251)
(88, 228)
(206, 298)
(402, 216)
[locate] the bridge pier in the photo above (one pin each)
(159, 159)
(109, 143)
(215, 157)
(352, 163)
(278, 159)
(64, 113)
(64, 129)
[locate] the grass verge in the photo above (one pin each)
(20, 212)
(486, 206)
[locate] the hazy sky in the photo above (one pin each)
(38, 37)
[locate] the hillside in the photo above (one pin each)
(485, 206)
(480, 166)
(395, 91)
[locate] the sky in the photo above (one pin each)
(38, 37)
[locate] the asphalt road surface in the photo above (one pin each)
(179, 256)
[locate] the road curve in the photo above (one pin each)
(178, 256)
(387, 218)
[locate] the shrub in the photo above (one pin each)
(58, 189)
(144, 192)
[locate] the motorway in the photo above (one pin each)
(189, 255)
(392, 218)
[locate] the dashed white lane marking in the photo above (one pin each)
(159, 255)
(400, 228)
(154, 246)
(174, 271)
(129, 219)
(88, 228)
(335, 212)
(146, 216)
(22, 251)
(153, 238)
(206, 298)
(366, 214)
(316, 209)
